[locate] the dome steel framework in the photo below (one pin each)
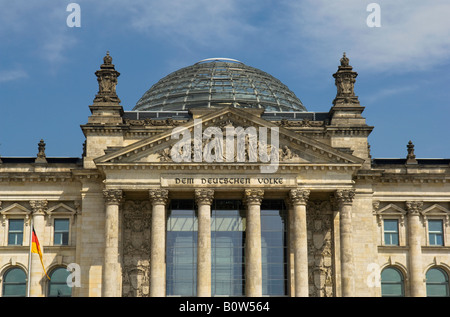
(218, 82)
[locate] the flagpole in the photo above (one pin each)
(29, 258)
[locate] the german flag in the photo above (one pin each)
(36, 248)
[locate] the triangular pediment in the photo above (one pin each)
(292, 148)
(436, 210)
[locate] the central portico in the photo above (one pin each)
(307, 171)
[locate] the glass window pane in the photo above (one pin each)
(227, 241)
(58, 283)
(14, 283)
(181, 249)
(15, 233)
(61, 234)
(391, 283)
(390, 225)
(437, 283)
(435, 232)
(435, 225)
(391, 232)
(273, 243)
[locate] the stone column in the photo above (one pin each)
(344, 198)
(204, 198)
(39, 208)
(253, 267)
(415, 231)
(159, 199)
(299, 199)
(112, 270)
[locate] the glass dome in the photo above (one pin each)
(218, 82)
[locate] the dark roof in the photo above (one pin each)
(268, 115)
(399, 161)
(50, 160)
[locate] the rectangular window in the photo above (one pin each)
(181, 249)
(435, 232)
(273, 244)
(391, 232)
(61, 234)
(15, 233)
(227, 254)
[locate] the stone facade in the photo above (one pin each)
(116, 199)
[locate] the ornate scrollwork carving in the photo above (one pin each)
(320, 249)
(204, 196)
(299, 196)
(113, 196)
(159, 196)
(345, 196)
(253, 196)
(136, 248)
(39, 206)
(414, 207)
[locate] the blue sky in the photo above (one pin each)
(47, 79)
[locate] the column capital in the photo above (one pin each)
(113, 196)
(299, 196)
(159, 196)
(344, 196)
(39, 207)
(414, 208)
(253, 196)
(204, 196)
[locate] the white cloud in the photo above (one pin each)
(42, 23)
(190, 23)
(12, 75)
(414, 34)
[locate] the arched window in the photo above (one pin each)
(392, 283)
(14, 283)
(437, 283)
(57, 286)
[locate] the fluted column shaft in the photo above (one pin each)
(39, 208)
(111, 267)
(298, 200)
(159, 199)
(415, 248)
(345, 199)
(253, 265)
(204, 198)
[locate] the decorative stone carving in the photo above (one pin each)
(39, 206)
(107, 81)
(41, 157)
(299, 196)
(169, 122)
(204, 196)
(414, 207)
(320, 249)
(305, 123)
(113, 196)
(345, 79)
(249, 153)
(345, 196)
(136, 248)
(159, 196)
(411, 157)
(253, 196)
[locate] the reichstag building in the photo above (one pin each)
(219, 182)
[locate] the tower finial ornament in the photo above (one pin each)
(107, 81)
(41, 157)
(411, 157)
(107, 60)
(345, 61)
(345, 79)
